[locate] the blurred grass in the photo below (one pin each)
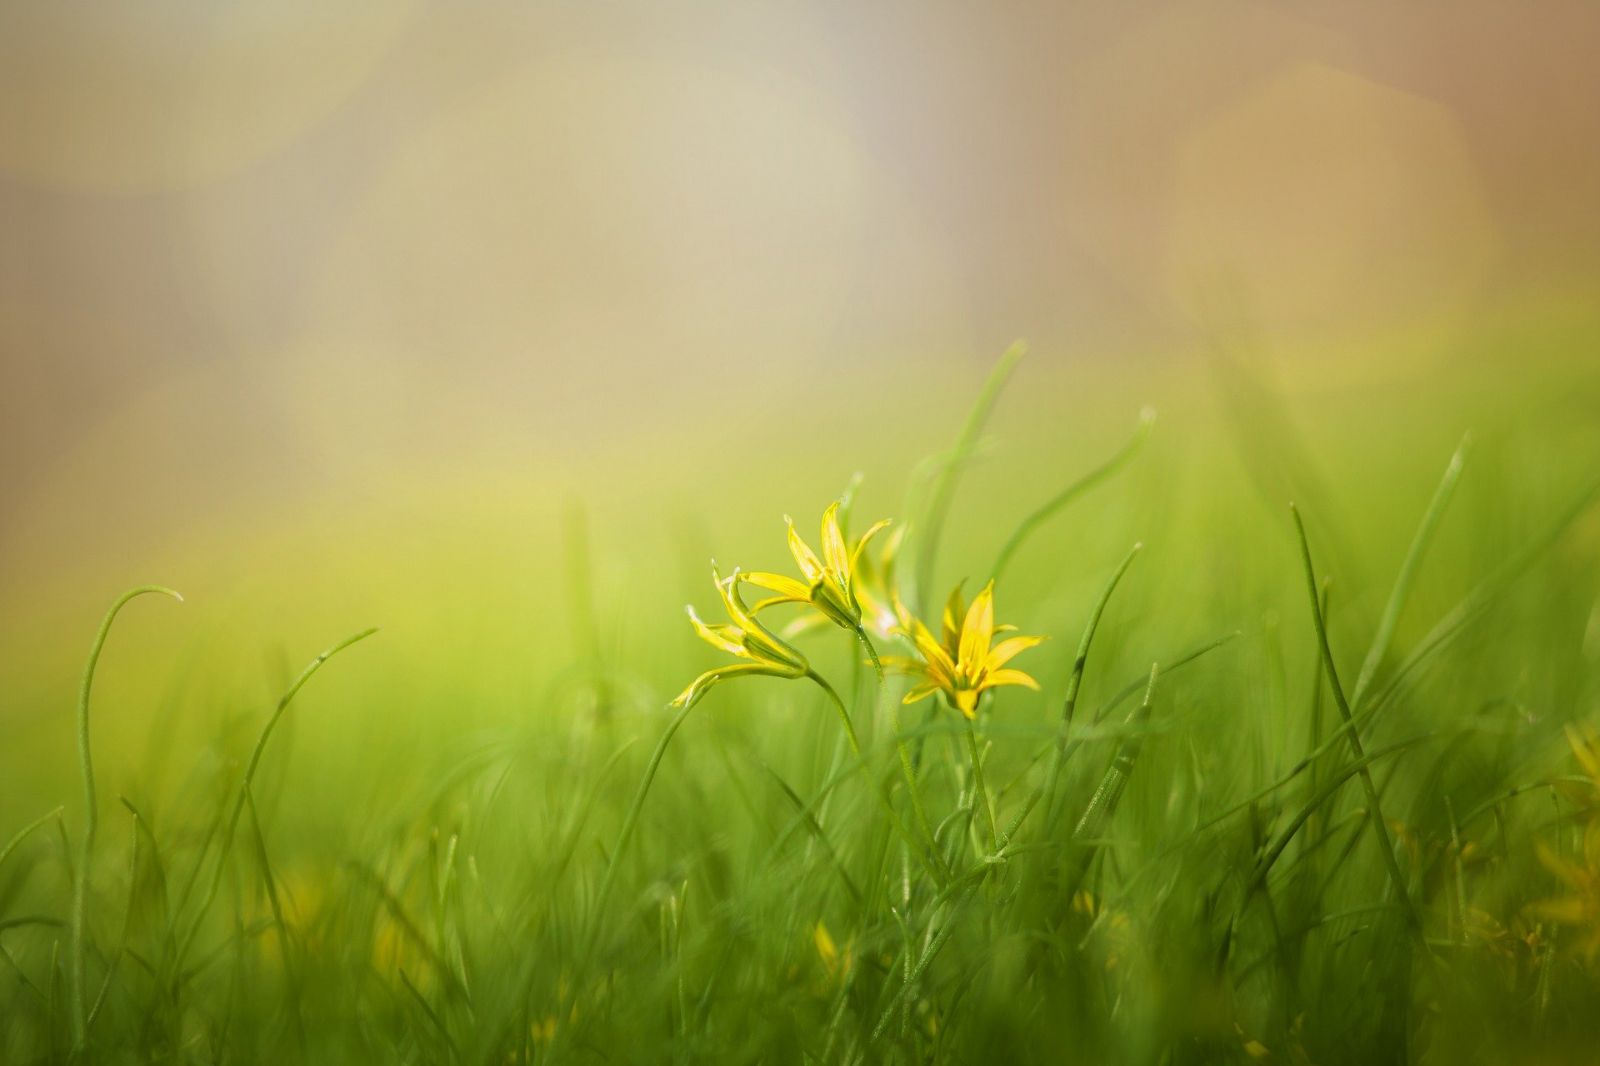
(415, 871)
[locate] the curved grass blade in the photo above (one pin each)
(80, 889)
(1453, 624)
(1379, 827)
(1408, 572)
(127, 922)
(1108, 793)
(1079, 662)
(1362, 765)
(1048, 509)
(249, 777)
(25, 832)
(809, 819)
(945, 487)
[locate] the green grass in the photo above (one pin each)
(1296, 789)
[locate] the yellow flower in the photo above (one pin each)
(1580, 908)
(964, 665)
(1586, 749)
(829, 583)
(745, 637)
(835, 962)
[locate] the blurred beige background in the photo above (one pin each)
(261, 261)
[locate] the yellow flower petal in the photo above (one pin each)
(904, 664)
(938, 661)
(872, 531)
(977, 630)
(1008, 649)
(804, 557)
(955, 609)
(1573, 876)
(921, 692)
(786, 587)
(834, 551)
(726, 637)
(1584, 750)
(759, 642)
(1010, 677)
(825, 946)
(1569, 910)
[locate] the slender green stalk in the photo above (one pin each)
(872, 652)
(980, 793)
(1112, 783)
(1274, 850)
(25, 832)
(80, 889)
(899, 824)
(1379, 826)
(902, 749)
(629, 821)
(1314, 764)
(909, 771)
(945, 487)
(1455, 623)
(1069, 703)
(243, 795)
(966, 885)
(844, 713)
(1408, 572)
(127, 923)
(1048, 509)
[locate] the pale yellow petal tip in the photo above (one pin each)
(825, 945)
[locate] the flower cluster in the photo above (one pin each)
(848, 588)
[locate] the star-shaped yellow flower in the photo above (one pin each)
(745, 637)
(829, 583)
(963, 665)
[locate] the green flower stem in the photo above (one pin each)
(872, 653)
(980, 795)
(631, 820)
(923, 854)
(904, 750)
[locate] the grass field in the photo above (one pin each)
(1317, 785)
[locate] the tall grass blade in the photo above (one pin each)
(80, 892)
(1029, 525)
(1380, 828)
